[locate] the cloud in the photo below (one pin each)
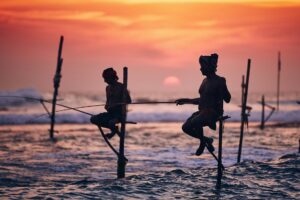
(150, 37)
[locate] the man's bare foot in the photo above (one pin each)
(200, 148)
(110, 135)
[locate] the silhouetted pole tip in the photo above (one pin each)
(56, 82)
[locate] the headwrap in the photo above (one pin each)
(110, 73)
(209, 61)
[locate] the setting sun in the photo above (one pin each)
(171, 81)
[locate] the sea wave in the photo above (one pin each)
(277, 179)
(162, 164)
(25, 92)
(23, 111)
(154, 116)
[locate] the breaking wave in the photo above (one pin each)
(78, 118)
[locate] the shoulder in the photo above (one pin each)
(204, 81)
(119, 85)
(221, 79)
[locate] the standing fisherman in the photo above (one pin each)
(114, 97)
(213, 91)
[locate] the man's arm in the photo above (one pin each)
(128, 98)
(195, 101)
(226, 94)
(107, 100)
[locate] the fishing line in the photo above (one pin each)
(48, 101)
(100, 105)
(68, 107)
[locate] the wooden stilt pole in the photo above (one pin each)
(243, 89)
(278, 79)
(243, 115)
(264, 119)
(121, 157)
(220, 171)
(262, 124)
(56, 81)
(219, 159)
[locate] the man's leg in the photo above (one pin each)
(199, 121)
(106, 120)
(201, 140)
(114, 129)
(193, 127)
(209, 143)
(189, 127)
(101, 119)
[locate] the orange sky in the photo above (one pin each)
(155, 40)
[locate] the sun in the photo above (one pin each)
(171, 81)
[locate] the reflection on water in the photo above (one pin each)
(161, 164)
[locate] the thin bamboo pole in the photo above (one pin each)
(121, 157)
(56, 81)
(262, 124)
(278, 79)
(220, 171)
(243, 89)
(243, 115)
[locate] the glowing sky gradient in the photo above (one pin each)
(155, 40)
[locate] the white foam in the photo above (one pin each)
(26, 92)
(21, 111)
(282, 116)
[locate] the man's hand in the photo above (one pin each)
(182, 101)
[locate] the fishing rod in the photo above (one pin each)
(153, 102)
(100, 105)
(68, 107)
(47, 101)
(116, 104)
(50, 102)
(77, 108)
(62, 110)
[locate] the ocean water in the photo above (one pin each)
(22, 111)
(162, 164)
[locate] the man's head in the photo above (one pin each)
(110, 75)
(208, 64)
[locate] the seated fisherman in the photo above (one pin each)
(114, 100)
(213, 91)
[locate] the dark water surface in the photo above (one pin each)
(161, 164)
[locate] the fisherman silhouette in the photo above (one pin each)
(213, 91)
(114, 97)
